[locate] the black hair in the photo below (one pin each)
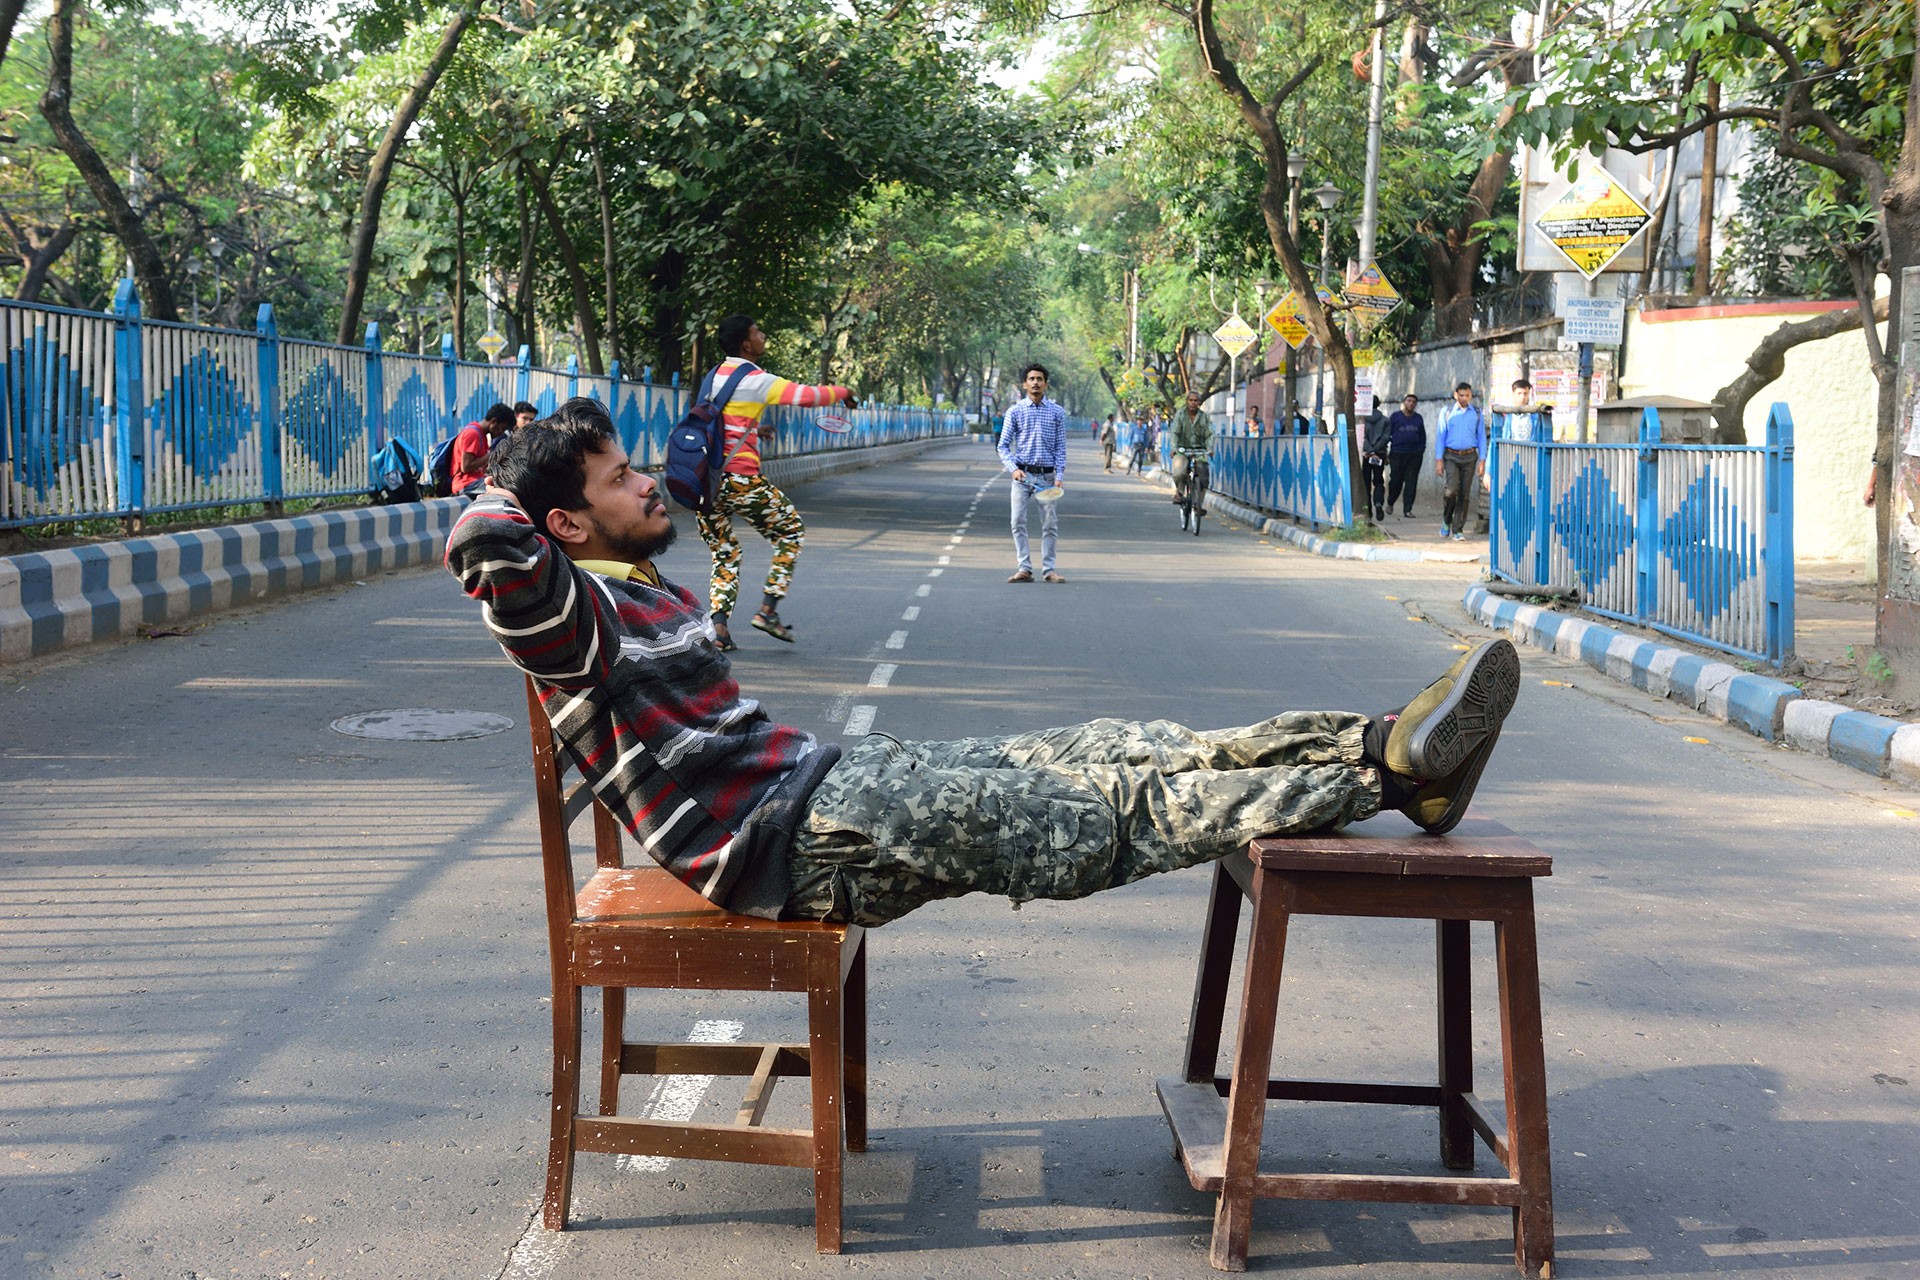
(1409, 396)
(1030, 368)
(499, 413)
(544, 463)
(1522, 382)
(731, 333)
(1463, 386)
(522, 406)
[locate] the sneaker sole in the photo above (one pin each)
(1463, 794)
(1479, 700)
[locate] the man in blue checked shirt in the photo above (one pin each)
(1033, 445)
(1460, 459)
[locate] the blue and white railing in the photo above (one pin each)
(113, 415)
(1305, 477)
(1695, 541)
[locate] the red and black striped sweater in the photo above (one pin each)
(645, 704)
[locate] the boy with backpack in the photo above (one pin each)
(461, 464)
(742, 490)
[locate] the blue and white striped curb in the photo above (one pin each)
(76, 595)
(1319, 546)
(1765, 707)
(52, 600)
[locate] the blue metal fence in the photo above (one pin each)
(1305, 477)
(113, 415)
(1695, 541)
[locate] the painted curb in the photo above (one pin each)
(58, 599)
(71, 596)
(1769, 709)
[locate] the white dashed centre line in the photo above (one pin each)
(912, 613)
(946, 559)
(882, 675)
(677, 1098)
(898, 640)
(924, 590)
(934, 573)
(860, 721)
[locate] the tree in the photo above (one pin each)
(1835, 83)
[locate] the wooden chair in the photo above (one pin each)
(639, 927)
(1482, 871)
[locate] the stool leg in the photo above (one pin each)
(1523, 1050)
(826, 1021)
(1456, 1043)
(1252, 1059)
(1215, 972)
(855, 1066)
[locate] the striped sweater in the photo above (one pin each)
(750, 399)
(645, 705)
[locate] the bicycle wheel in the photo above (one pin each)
(1197, 494)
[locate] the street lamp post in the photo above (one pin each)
(193, 274)
(218, 248)
(1296, 167)
(1260, 289)
(1328, 196)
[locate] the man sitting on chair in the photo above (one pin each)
(764, 820)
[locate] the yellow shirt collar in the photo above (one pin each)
(622, 571)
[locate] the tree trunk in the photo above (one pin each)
(669, 274)
(366, 232)
(606, 247)
(569, 259)
(1768, 360)
(38, 252)
(1897, 475)
(521, 312)
(1709, 175)
(459, 272)
(56, 104)
(9, 18)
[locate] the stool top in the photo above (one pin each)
(1477, 847)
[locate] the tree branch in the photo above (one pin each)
(1768, 361)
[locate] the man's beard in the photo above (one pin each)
(632, 547)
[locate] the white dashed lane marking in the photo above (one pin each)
(924, 590)
(860, 721)
(912, 613)
(898, 640)
(882, 675)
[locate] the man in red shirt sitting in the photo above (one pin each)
(471, 446)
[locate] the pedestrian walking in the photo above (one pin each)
(1033, 446)
(1460, 460)
(1406, 447)
(1373, 462)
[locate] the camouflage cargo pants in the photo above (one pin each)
(1064, 812)
(760, 503)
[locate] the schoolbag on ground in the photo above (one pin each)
(696, 443)
(440, 468)
(396, 473)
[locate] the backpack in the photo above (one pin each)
(396, 473)
(694, 446)
(440, 468)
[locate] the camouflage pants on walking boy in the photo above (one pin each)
(759, 501)
(1064, 812)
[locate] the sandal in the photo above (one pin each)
(771, 624)
(723, 638)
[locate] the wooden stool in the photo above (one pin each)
(638, 927)
(1482, 871)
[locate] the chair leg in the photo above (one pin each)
(826, 1047)
(1456, 1043)
(855, 1062)
(613, 1023)
(566, 1102)
(1523, 1050)
(1252, 1059)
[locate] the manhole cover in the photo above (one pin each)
(421, 724)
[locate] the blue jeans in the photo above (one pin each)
(1049, 529)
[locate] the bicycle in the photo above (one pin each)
(1191, 472)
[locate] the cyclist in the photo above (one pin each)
(1192, 439)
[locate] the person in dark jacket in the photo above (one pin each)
(1406, 445)
(1373, 463)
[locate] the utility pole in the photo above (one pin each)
(1376, 107)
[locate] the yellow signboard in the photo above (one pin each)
(1234, 336)
(492, 342)
(1371, 295)
(1285, 318)
(1593, 222)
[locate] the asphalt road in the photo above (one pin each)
(274, 1000)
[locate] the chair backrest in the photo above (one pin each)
(559, 807)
